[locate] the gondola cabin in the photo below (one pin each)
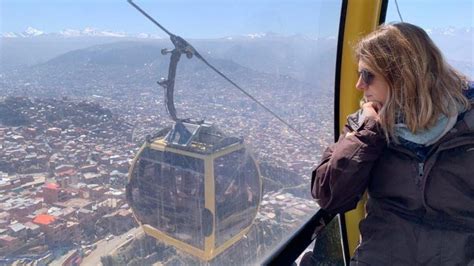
(194, 188)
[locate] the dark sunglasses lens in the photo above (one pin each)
(367, 77)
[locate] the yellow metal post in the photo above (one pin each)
(362, 17)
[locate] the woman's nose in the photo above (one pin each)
(360, 85)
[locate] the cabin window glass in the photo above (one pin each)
(237, 194)
(78, 102)
(170, 197)
(454, 34)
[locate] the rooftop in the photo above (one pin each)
(17, 227)
(44, 219)
(53, 186)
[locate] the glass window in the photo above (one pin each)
(453, 34)
(79, 97)
(237, 194)
(170, 197)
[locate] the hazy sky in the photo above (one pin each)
(216, 18)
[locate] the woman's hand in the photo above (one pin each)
(371, 109)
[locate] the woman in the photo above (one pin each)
(411, 145)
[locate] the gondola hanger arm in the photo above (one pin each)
(182, 46)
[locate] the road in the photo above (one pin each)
(62, 259)
(105, 247)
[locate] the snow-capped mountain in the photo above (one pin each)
(256, 35)
(9, 35)
(31, 32)
(450, 31)
(265, 36)
(91, 32)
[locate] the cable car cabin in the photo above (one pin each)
(194, 188)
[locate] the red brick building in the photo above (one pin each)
(51, 193)
(57, 231)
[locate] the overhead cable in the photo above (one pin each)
(398, 10)
(198, 55)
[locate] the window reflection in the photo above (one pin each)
(237, 194)
(170, 196)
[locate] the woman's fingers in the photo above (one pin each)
(371, 109)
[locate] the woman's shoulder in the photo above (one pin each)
(469, 91)
(468, 116)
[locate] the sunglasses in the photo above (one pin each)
(367, 76)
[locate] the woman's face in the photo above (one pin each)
(374, 86)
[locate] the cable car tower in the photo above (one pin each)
(191, 186)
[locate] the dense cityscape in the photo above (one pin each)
(65, 157)
(71, 127)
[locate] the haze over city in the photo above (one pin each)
(79, 96)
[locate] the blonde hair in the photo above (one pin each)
(422, 85)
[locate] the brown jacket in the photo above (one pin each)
(418, 212)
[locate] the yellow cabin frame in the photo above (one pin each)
(360, 18)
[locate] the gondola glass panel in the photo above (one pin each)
(195, 188)
(168, 195)
(237, 194)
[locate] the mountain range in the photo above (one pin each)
(31, 32)
(297, 56)
(46, 56)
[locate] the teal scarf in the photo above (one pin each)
(431, 135)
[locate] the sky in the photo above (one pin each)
(216, 18)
